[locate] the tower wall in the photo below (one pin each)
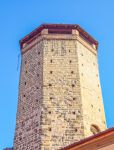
(92, 105)
(28, 129)
(59, 92)
(62, 121)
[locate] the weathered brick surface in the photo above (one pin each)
(28, 128)
(59, 93)
(62, 99)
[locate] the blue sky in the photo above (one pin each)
(18, 18)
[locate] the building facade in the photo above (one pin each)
(60, 100)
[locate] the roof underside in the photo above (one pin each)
(59, 29)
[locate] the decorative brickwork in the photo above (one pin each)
(58, 100)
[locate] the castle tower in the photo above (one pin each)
(60, 100)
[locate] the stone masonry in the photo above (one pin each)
(60, 100)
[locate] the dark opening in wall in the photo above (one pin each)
(70, 61)
(36, 100)
(51, 72)
(94, 129)
(50, 84)
(74, 112)
(76, 130)
(20, 139)
(73, 85)
(51, 61)
(49, 112)
(72, 72)
(49, 129)
(38, 53)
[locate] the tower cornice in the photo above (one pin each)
(58, 29)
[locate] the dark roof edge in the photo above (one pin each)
(58, 26)
(110, 130)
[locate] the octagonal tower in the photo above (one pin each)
(60, 100)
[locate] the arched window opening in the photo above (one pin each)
(94, 129)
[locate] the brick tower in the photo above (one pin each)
(60, 100)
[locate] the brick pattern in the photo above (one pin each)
(93, 110)
(28, 129)
(62, 116)
(58, 101)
